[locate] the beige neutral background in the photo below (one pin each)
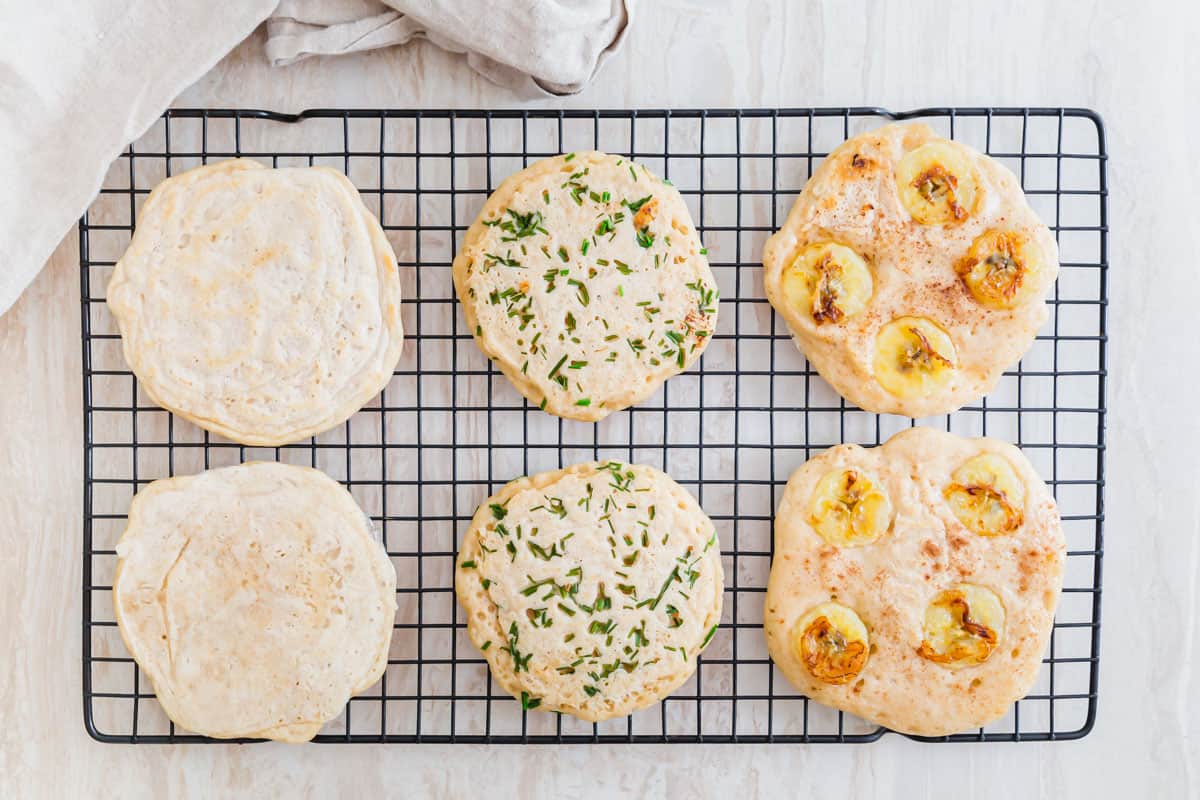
(1133, 61)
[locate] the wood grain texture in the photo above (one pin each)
(1134, 62)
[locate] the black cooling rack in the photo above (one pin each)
(449, 430)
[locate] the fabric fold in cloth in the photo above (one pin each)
(537, 46)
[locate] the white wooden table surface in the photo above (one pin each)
(1135, 62)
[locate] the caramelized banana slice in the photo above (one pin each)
(987, 496)
(831, 642)
(828, 281)
(937, 184)
(850, 508)
(1000, 269)
(914, 357)
(963, 626)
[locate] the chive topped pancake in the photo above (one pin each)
(591, 590)
(585, 281)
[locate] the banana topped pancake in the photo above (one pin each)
(911, 271)
(585, 281)
(914, 584)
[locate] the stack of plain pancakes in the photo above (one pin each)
(913, 584)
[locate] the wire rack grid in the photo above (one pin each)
(448, 430)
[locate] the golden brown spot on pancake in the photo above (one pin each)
(263, 257)
(645, 214)
(695, 321)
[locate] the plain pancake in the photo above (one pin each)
(261, 304)
(255, 598)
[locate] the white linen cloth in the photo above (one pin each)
(548, 46)
(80, 80)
